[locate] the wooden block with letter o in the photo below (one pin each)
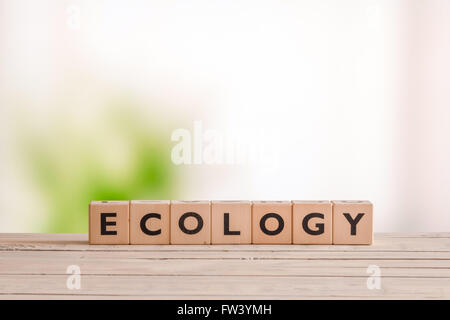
(190, 222)
(149, 222)
(352, 222)
(109, 222)
(231, 222)
(312, 222)
(272, 222)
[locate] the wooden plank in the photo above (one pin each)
(14, 265)
(400, 245)
(242, 286)
(78, 242)
(258, 255)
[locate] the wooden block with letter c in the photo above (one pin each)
(150, 222)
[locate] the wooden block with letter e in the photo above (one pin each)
(190, 222)
(312, 222)
(231, 222)
(150, 222)
(352, 222)
(109, 222)
(272, 222)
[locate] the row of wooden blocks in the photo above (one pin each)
(230, 222)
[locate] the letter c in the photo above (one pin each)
(144, 221)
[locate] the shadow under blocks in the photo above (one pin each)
(341, 222)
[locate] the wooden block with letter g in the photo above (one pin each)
(312, 222)
(231, 222)
(149, 222)
(109, 222)
(352, 222)
(190, 222)
(272, 222)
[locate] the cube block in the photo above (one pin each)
(149, 222)
(312, 222)
(190, 222)
(109, 222)
(272, 222)
(352, 222)
(231, 222)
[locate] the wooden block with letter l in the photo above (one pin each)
(231, 222)
(352, 222)
(272, 222)
(109, 222)
(190, 222)
(150, 222)
(312, 222)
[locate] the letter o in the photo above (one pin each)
(187, 215)
(262, 224)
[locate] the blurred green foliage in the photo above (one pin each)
(71, 165)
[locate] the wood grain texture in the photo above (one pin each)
(413, 266)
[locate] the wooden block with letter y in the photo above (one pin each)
(352, 222)
(109, 222)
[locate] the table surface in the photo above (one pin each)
(407, 265)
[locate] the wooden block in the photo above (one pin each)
(149, 222)
(352, 222)
(109, 222)
(190, 222)
(312, 222)
(231, 222)
(272, 222)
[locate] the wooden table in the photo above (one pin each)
(412, 266)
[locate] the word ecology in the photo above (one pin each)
(230, 222)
